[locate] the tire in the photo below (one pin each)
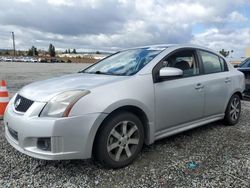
(119, 141)
(233, 111)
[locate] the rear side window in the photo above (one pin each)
(224, 64)
(211, 62)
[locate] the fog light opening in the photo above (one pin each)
(44, 144)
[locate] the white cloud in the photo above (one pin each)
(123, 23)
(93, 4)
(237, 17)
(61, 2)
(236, 40)
(24, 1)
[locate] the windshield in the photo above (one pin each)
(125, 63)
(245, 63)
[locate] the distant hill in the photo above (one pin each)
(96, 52)
(4, 50)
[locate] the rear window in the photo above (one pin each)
(212, 62)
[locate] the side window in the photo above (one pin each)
(184, 60)
(211, 62)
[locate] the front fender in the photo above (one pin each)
(129, 102)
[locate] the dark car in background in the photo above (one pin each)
(245, 68)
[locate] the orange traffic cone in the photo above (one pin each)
(4, 98)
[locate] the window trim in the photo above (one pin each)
(156, 69)
(202, 63)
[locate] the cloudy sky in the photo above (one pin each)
(114, 24)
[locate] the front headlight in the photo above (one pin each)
(60, 105)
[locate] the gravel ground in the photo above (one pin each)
(221, 154)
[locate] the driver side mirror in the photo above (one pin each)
(170, 72)
(236, 66)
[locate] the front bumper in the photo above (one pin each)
(70, 138)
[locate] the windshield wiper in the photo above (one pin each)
(100, 72)
(96, 72)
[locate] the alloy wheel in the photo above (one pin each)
(123, 141)
(235, 109)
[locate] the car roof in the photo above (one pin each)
(171, 45)
(165, 46)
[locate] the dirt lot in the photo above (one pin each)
(221, 153)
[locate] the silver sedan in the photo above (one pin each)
(133, 97)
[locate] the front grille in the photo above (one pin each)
(13, 133)
(22, 104)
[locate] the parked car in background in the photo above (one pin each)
(8, 59)
(133, 97)
(18, 59)
(245, 68)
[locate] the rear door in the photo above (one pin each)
(217, 83)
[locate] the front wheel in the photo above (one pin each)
(120, 140)
(233, 111)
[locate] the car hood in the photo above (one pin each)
(43, 91)
(243, 68)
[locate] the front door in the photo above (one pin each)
(179, 100)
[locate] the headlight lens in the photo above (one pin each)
(60, 105)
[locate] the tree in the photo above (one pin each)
(52, 51)
(69, 51)
(32, 51)
(74, 51)
(19, 53)
(224, 53)
(66, 51)
(97, 52)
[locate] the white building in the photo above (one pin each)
(91, 56)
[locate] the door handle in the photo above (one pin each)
(228, 80)
(199, 86)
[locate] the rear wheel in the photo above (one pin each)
(233, 111)
(120, 140)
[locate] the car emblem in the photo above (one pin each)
(17, 103)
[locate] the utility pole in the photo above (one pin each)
(14, 47)
(33, 51)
